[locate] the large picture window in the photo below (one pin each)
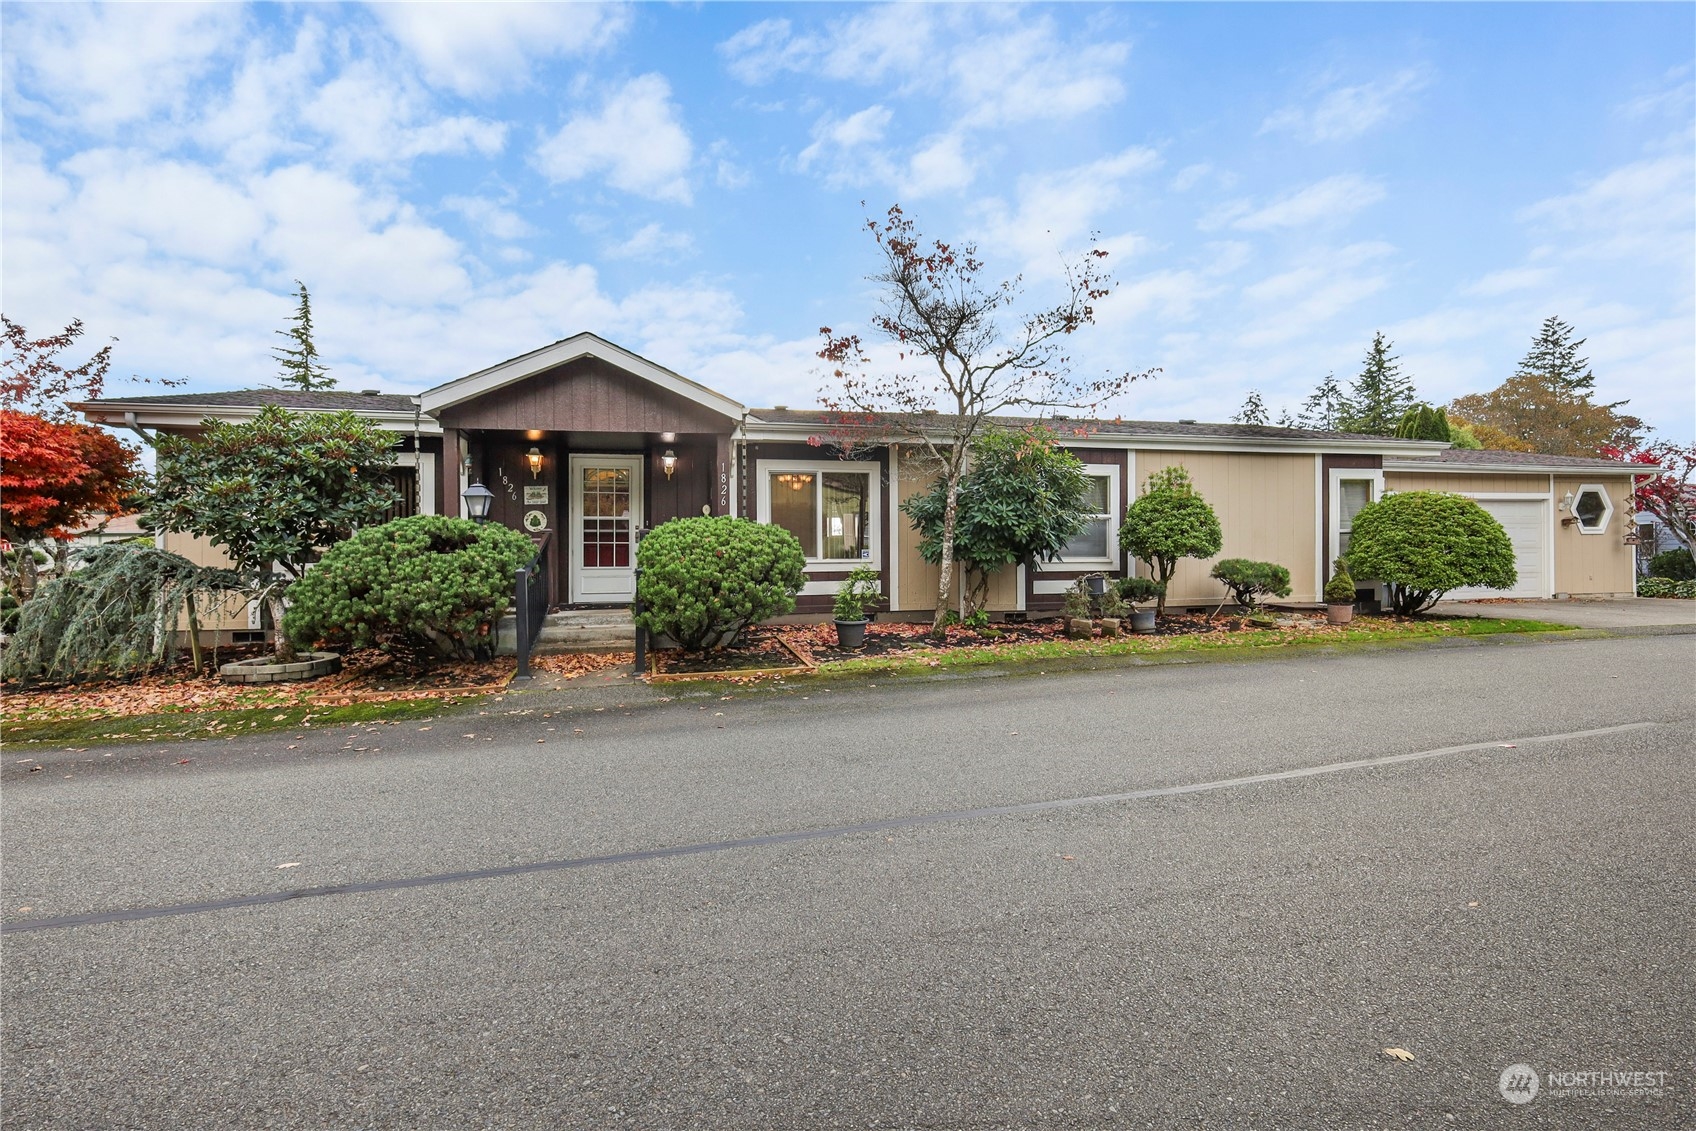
(832, 509)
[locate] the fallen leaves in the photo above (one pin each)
(290, 864)
(1398, 1054)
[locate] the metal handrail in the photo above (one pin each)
(530, 604)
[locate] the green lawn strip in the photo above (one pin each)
(175, 726)
(1258, 641)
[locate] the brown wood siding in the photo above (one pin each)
(691, 484)
(1595, 564)
(1265, 504)
(1466, 483)
(586, 395)
(499, 462)
(1328, 462)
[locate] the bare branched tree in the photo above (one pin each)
(964, 354)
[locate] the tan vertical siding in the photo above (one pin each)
(918, 577)
(230, 613)
(1589, 564)
(1268, 508)
(1471, 483)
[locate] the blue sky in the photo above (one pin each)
(459, 184)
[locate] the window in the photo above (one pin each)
(1352, 497)
(1094, 543)
(831, 508)
(1592, 508)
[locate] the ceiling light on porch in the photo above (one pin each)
(534, 458)
(534, 434)
(669, 462)
(668, 437)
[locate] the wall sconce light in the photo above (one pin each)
(534, 458)
(477, 499)
(1566, 503)
(669, 462)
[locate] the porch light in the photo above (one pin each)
(1566, 503)
(477, 499)
(533, 457)
(669, 462)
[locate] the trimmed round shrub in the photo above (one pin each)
(1675, 564)
(420, 587)
(1170, 521)
(1252, 582)
(706, 579)
(1422, 544)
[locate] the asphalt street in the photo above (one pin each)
(1145, 955)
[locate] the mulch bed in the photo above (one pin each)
(759, 649)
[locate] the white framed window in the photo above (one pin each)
(1592, 508)
(833, 507)
(1097, 544)
(1352, 488)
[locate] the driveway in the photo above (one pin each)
(1168, 896)
(1620, 613)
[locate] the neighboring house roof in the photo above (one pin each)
(1186, 432)
(584, 344)
(395, 411)
(1459, 459)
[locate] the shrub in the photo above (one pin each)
(1113, 606)
(1076, 604)
(1666, 587)
(858, 595)
(1677, 565)
(1170, 521)
(1136, 590)
(1422, 544)
(1340, 590)
(420, 587)
(706, 579)
(1252, 582)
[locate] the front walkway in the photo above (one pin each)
(1614, 613)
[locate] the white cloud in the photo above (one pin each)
(868, 47)
(478, 49)
(652, 242)
(1295, 302)
(1640, 210)
(1346, 112)
(1509, 280)
(635, 139)
(1055, 212)
(369, 116)
(1330, 201)
(115, 64)
(489, 217)
(1027, 73)
(850, 151)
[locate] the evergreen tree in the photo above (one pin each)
(1327, 409)
(301, 368)
(1554, 360)
(1285, 420)
(1253, 410)
(1422, 422)
(1381, 394)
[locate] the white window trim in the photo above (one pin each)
(424, 464)
(763, 470)
(1115, 515)
(1607, 508)
(1338, 474)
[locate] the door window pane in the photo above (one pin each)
(794, 506)
(606, 517)
(847, 512)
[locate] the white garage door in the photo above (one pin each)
(1527, 524)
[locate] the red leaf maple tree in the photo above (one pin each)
(1668, 494)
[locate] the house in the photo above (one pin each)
(591, 442)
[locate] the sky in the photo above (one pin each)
(458, 185)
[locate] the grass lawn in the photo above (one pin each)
(176, 726)
(1066, 653)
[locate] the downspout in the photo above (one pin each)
(133, 423)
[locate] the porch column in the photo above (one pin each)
(449, 473)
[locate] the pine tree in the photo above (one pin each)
(301, 368)
(1327, 408)
(1554, 359)
(1285, 420)
(1253, 410)
(1381, 394)
(1422, 422)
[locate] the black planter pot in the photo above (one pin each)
(1142, 620)
(851, 633)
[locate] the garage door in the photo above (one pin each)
(1527, 524)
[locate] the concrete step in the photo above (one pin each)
(573, 630)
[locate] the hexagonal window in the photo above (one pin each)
(1592, 507)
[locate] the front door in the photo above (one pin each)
(606, 512)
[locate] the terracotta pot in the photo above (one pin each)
(1339, 614)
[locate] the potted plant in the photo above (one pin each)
(859, 593)
(1076, 611)
(1134, 591)
(1339, 595)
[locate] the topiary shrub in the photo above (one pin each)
(1422, 544)
(1340, 590)
(1136, 590)
(706, 579)
(1675, 564)
(1170, 521)
(861, 592)
(1252, 582)
(1665, 587)
(422, 587)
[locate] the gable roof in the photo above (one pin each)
(585, 344)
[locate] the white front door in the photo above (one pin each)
(606, 512)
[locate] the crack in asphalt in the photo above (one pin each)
(161, 911)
